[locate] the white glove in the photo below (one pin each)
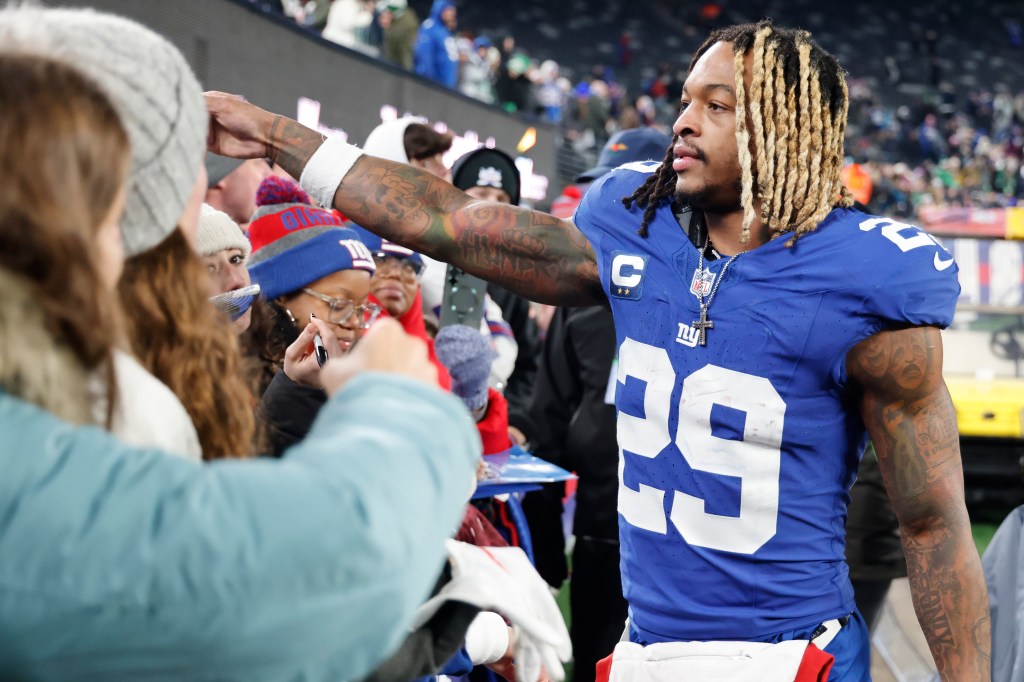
(503, 580)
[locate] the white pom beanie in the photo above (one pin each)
(154, 91)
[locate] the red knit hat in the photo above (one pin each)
(283, 208)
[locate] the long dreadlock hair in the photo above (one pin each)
(791, 151)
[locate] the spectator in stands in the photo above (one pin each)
(224, 250)
(399, 23)
(598, 111)
(269, 561)
(231, 185)
(514, 84)
(434, 54)
(395, 287)
(409, 140)
(61, 257)
(170, 325)
(311, 14)
(550, 97)
(476, 78)
(315, 279)
(348, 24)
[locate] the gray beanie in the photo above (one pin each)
(468, 357)
(154, 91)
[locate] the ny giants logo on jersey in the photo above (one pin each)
(687, 335)
(627, 275)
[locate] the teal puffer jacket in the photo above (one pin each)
(119, 563)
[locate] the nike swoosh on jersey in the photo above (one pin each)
(940, 264)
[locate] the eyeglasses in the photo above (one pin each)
(342, 311)
(408, 268)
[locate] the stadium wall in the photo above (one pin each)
(235, 47)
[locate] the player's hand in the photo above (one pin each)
(300, 363)
(237, 128)
(385, 347)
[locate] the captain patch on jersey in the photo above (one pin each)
(627, 276)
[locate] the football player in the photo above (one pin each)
(764, 328)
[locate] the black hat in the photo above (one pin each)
(486, 167)
(628, 146)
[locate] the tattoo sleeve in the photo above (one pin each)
(912, 423)
(531, 253)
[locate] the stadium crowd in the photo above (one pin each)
(248, 427)
(945, 144)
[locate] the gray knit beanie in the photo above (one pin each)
(153, 89)
(468, 357)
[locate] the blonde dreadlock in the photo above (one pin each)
(791, 151)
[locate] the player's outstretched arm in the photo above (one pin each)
(912, 423)
(531, 253)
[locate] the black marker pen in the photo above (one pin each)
(318, 346)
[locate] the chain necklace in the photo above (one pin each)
(704, 324)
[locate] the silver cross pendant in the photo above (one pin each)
(703, 325)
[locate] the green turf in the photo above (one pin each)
(983, 533)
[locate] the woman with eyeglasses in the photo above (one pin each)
(315, 282)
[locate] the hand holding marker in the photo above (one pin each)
(318, 346)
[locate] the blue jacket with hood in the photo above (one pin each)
(435, 55)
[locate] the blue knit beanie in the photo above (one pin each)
(304, 256)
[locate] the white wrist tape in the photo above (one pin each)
(486, 638)
(327, 168)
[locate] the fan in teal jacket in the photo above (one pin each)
(119, 563)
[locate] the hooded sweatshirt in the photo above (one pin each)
(435, 55)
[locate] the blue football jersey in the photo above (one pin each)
(736, 457)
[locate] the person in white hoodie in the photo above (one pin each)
(410, 140)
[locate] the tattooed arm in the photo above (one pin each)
(910, 416)
(531, 253)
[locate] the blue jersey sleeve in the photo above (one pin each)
(601, 212)
(917, 283)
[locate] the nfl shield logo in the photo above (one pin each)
(701, 283)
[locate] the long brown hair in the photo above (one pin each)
(187, 344)
(269, 334)
(65, 157)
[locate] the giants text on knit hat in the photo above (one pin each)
(283, 207)
(154, 91)
(217, 232)
(300, 258)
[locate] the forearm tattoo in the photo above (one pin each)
(532, 253)
(292, 144)
(912, 423)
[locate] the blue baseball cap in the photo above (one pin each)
(628, 146)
